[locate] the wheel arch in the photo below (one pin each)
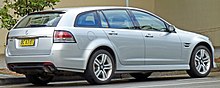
(107, 48)
(207, 45)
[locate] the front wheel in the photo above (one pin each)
(200, 62)
(101, 68)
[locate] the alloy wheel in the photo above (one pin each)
(202, 61)
(102, 67)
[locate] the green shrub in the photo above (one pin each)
(14, 9)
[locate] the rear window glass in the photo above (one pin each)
(40, 20)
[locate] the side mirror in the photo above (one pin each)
(171, 28)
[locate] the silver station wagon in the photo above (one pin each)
(98, 42)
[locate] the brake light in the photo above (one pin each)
(63, 37)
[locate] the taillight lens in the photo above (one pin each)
(63, 37)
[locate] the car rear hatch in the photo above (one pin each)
(30, 41)
(33, 35)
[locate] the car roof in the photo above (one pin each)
(82, 9)
(77, 10)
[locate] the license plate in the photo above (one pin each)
(27, 42)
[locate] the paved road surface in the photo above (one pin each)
(178, 81)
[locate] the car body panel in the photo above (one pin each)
(128, 45)
(163, 48)
(194, 39)
(43, 41)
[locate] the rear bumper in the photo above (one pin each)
(67, 57)
(32, 68)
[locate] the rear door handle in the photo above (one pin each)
(113, 33)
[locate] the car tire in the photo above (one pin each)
(141, 76)
(39, 80)
(200, 62)
(100, 68)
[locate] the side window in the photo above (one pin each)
(87, 19)
(148, 22)
(104, 23)
(118, 19)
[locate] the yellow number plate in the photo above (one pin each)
(27, 42)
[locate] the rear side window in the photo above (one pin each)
(40, 20)
(118, 19)
(87, 19)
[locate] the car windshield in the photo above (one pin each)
(40, 20)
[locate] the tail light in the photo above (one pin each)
(61, 36)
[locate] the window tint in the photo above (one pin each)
(149, 22)
(88, 19)
(118, 19)
(40, 20)
(104, 23)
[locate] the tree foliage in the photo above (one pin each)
(14, 9)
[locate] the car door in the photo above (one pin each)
(127, 41)
(161, 46)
